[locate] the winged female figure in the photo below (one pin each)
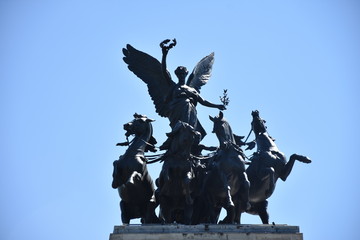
(176, 101)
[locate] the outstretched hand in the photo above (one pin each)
(166, 47)
(221, 107)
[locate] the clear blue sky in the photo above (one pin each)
(65, 93)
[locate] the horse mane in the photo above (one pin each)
(152, 141)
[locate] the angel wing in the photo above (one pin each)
(148, 69)
(201, 73)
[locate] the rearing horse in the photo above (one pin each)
(267, 165)
(226, 184)
(131, 176)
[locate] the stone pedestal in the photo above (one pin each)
(206, 232)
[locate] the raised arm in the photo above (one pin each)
(165, 49)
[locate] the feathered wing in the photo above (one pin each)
(148, 69)
(201, 73)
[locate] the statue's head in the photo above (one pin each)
(181, 72)
(255, 114)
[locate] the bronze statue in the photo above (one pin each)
(176, 101)
(193, 188)
(267, 165)
(130, 175)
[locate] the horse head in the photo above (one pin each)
(263, 140)
(141, 127)
(258, 124)
(222, 130)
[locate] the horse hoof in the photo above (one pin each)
(303, 159)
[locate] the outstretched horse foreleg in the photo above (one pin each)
(290, 164)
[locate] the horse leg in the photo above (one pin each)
(242, 198)
(188, 199)
(237, 209)
(261, 208)
(166, 210)
(230, 215)
(244, 193)
(290, 164)
(267, 177)
(115, 182)
(230, 209)
(125, 218)
(188, 211)
(126, 188)
(186, 186)
(150, 216)
(212, 213)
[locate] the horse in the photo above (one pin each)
(175, 181)
(131, 177)
(267, 165)
(226, 184)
